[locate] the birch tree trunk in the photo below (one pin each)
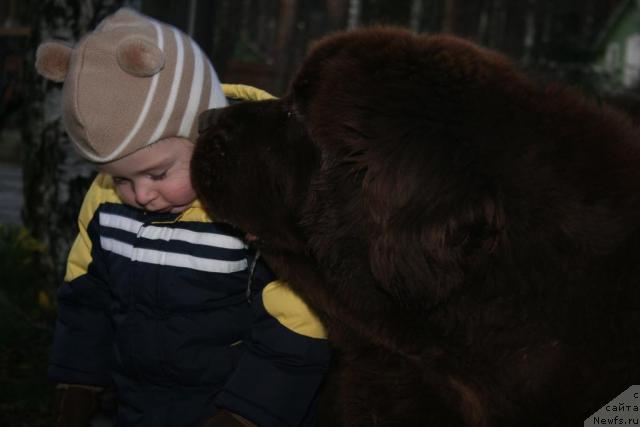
(529, 32)
(415, 15)
(353, 14)
(55, 177)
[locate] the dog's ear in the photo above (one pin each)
(428, 245)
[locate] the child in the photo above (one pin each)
(158, 300)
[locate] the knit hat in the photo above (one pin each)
(131, 82)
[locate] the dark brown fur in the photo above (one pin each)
(470, 238)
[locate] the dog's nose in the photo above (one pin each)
(208, 119)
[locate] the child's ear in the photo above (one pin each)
(52, 60)
(139, 57)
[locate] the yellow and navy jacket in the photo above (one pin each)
(161, 306)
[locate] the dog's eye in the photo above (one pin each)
(291, 111)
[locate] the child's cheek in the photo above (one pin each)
(126, 195)
(182, 190)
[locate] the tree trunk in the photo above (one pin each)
(449, 16)
(353, 17)
(529, 32)
(336, 13)
(415, 15)
(284, 41)
(55, 177)
(227, 21)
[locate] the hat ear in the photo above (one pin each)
(52, 60)
(139, 57)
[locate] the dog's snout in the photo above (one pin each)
(219, 146)
(208, 119)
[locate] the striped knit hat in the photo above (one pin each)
(130, 83)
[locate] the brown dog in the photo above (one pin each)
(470, 238)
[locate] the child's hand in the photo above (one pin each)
(226, 419)
(75, 405)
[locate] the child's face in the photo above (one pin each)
(155, 178)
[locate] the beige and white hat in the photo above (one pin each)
(131, 82)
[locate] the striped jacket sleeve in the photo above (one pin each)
(287, 356)
(81, 348)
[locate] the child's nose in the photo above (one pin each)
(144, 194)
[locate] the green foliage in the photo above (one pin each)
(26, 325)
(19, 254)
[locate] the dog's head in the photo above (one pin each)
(252, 166)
